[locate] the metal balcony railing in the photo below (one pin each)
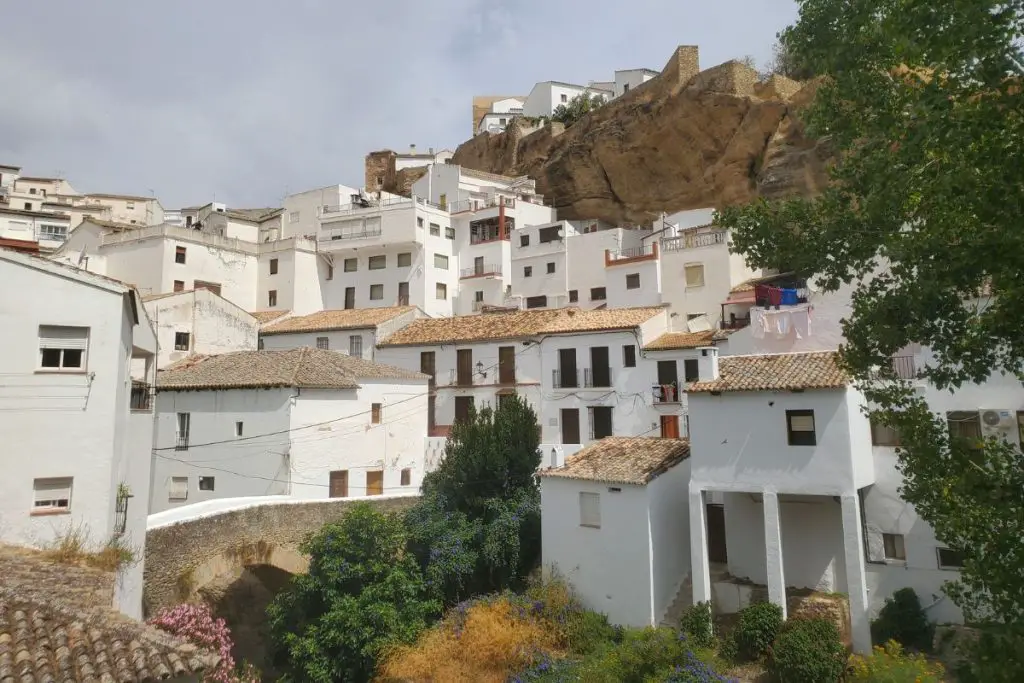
(565, 379)
(735, 322)
(633, 252)
(457, 379)
(181, 442)
(349, 234)
(665, 393)
(481, 270)
(597, 378)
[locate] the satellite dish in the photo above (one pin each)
(812, 286)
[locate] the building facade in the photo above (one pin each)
(199, 322)
(354, 331)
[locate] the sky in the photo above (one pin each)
(244, 102)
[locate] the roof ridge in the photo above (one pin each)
(299, 365)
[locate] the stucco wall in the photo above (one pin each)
(610, 567)
(214, 324)
(670, 535)
(337, 340)
(176, 551)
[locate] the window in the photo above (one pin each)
(272, 298)
(800, 427)
(380, 181)
(28, 206)
(63, 348)
(179, 254)
(565, 98)
(894, 547)
(205, 483)
(502, 122)
(273, 266)
(694, 275)
(524, 240)
(478, 295)
(441, 261)
(419, 222)
(598, 294)
(350, 298)
(375, 413)
(181, 341)
(375, 482)
(625, 88)
(376, 292)
(600, 422)
(435, 229)
(239, 428)
(590, 510)
(633, 281)
(293, 217)
(377, 262)
(629, 356)
(574, 296)
(536, 301)
(323, 343)
(338, 484)
(441, 291)
(351, 265)
(406, 477)
(32, 190)
(51, 494)
(691, 370)
(551, 267)
(882, 435)
(965, 424)
(184, 421)
(949, 558)
(53, 232)
(355, 345)
(330, 272)
(259, 344)
(527, 271)
(404, 260)
(179, 285)
(178, 489)
(130, 206)
(449, 233)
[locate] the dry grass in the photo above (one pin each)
(488, 644)
(73, 547)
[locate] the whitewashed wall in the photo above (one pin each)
(337, 340)
(214, 324)
(669, 516)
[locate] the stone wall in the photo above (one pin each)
(181, 557)
(379, 165)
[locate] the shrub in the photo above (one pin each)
(889, 664)
(697, 624)
(756, 629)
(902, 619)
(695, 671)
(643, 654)
(196, 624)
(808, 651)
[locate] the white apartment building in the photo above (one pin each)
(47, 230)
(354, 331)
(120, 208)
(412, 158)
(251, 225)
(587, 373)
(501, 114)
(547, 96)
(78, 429)
(199, 321)
(305, 423)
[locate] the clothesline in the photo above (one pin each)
(769, 295)
(779, 323)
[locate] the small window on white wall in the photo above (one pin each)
(178, 489)
(355, 345)
(895, 547)
(323, 343)
(51, 495)
(590, 510)
(694, 275)
(63, 348)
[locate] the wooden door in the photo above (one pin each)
(600, 371)
(463, 405)
(507, 364)
(403, 293)
(350, 298)
(428, 365)
(464, 359)
(570, 425)
(670, 426)
(375, 483)
(567, 369)
(339, 484)
(716, 534)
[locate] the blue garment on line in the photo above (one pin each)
(789, 297)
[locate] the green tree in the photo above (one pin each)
(922, 109)
(363, 592)
(576, 108)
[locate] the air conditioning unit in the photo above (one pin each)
(998, 419)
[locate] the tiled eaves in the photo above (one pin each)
(775, 372)
(623, 460)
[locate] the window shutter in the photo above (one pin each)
(58, 488)
(875, 545)
(54, 337)
(590, 509)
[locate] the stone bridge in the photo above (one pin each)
(188, 549)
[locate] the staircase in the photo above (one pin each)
(680, 603)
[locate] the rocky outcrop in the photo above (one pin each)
(686, 139)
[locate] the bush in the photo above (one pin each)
(902, 619)
(697, 624)
(196, 624)
(756, 629)
(808, 651)
(889, 664)
(642, 655)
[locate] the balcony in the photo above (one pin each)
(483, 270)
(181, 442)
(631, 255)
(597, 378)
(457, 379)
(142, 397)
(695, 238)
(666, 394)
(565, 379)
(735, 322)
(373, 205)
(474, 205)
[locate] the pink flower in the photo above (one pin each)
(196, 624)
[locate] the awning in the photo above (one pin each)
(740, 298)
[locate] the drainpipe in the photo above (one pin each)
(501, 220)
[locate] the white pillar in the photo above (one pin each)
(700, 572)
(773, 551)
(856, 580)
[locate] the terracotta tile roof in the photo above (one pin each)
(342, 319)
(110, 225)
(748, 285)
(254, 215)
(515, 324)
(623, 460)
(56, 625)
(776, 372)
(671, 341)
(303, 367)
(264, 317)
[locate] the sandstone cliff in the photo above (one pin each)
(686, 139)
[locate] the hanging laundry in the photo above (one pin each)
(757, 323)
(761, 295)
(783, 324)
(774, 296)
(802, 322)
(789, 297)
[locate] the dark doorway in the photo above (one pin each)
(716, 534)
(570, 425)
(464, 367)
(463, 405)
(350, 298)
(600, 370)
(567, 376)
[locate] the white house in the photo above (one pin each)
(354, 331)
(306, 423)
(630, 79)
(547, 96)
(47, 229)
(615, 524)
(583, 371)
(199, 321)
(78, 429)
(502, 112)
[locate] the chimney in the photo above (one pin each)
(412, 149)
(430, 150)
(707, 363)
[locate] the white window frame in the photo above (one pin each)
(407, 260)
(182, 427)
(177, 489)
(53, 232)
(590, 509)
(440, 261)
(687, 268)
(64, 338)
(323, 343)
(441, 291)
(52, 494)
(293, 216)
(355, 345)
(897, 544)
